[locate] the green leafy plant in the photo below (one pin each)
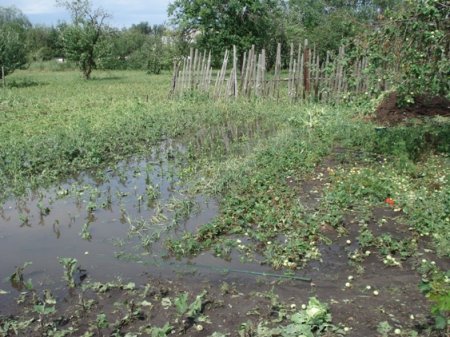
(17, 279)
(181, 303)
(85, 232)
(160, 332)
(70, 266)
(101, 323)
(384, 328)
(436, 287)
(8, 326)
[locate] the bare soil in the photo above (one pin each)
(389, 113)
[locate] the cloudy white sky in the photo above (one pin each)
(124, 12)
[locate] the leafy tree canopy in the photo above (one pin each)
(82, 39)
(13, 27)
(414, 41)
(329, 23)
(217, 25)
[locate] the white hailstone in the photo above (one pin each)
(397, 331)
(86, 253)
(376, 293)
(433, 263)
(389, 257)
(368, 252)
(349, 242)
(350, 277)
(269, 242)
(348, 284)
(293, 306)
(199, 327)
(346, 329)
(411, 317)
(303, 306)
(368, 287)
(424, 261)
(238, 241)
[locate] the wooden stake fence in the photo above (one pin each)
(308, 76)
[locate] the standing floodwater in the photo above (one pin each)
(113, 223)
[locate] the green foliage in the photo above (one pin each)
(435, 285)
(44, 310)
(82, 39)
(43, 43)
(70, 266)
(13, 27)
(11, 326)
(181, 303)
(331, 23)
(16, 278)
(215, 25)
(85, 232)
(384, 328)
(314, 320)
(159, 332)
(414, 44)
(141, 47)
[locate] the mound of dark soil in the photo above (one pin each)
(388, 113)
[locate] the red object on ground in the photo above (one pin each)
(390, 201)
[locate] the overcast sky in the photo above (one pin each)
(124, 12)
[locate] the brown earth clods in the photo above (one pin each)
(388, 112)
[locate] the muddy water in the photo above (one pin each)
(126, 204)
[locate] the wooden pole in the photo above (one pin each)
(306, 63)
(298, 71)
(276, 77)
(196, 66)
(221, 75)
(185, 74)
(243, 71)
(263, 72)
(254, 76)
(249, 72)
(208, 73)
(258, 76)
(202, 72)
(302, 76)
(176, 70)
(236, 93)
(3, 77)
(291, 64)
(316, 80)
(326, 75)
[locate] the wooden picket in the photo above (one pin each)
(309, 78)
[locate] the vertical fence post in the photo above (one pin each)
(235, 73)
(306, 64)
(3, 77)
(176, 70)
(276, 78)
(309, 76)
(291, 66)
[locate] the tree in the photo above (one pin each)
(13, 51)
(415, 41)
(42, 43)
(217, 25)
(82, 39)
(330, 23)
